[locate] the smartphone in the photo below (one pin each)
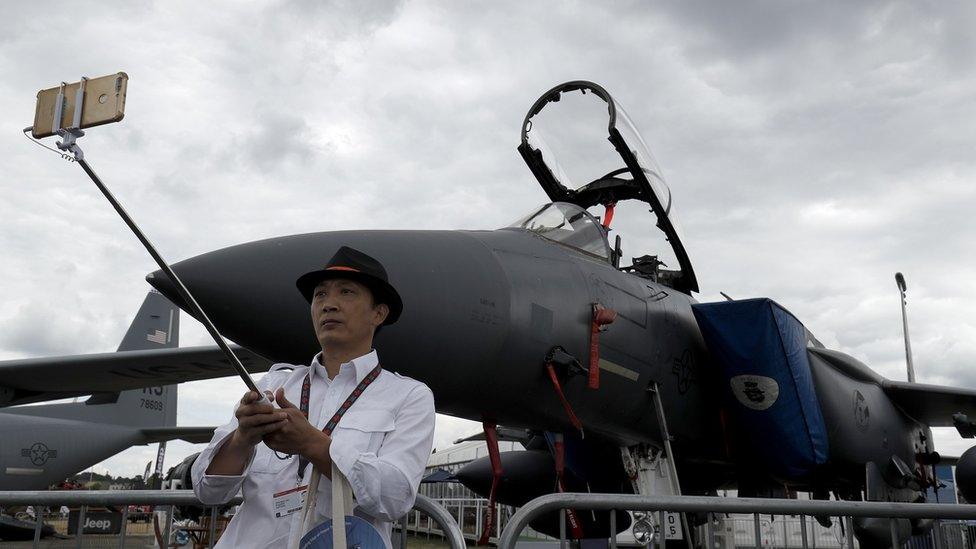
(104, 103)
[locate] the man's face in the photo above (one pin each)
(344, 314)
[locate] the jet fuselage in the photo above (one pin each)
(481, 311)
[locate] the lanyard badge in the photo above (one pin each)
(289, 501)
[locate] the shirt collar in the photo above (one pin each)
(362, 366)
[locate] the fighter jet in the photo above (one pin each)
(539, 326)
(611, 369)
(43, 444)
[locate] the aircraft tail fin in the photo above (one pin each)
(155, 326)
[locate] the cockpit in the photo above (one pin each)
(569, 225)
(573, 182)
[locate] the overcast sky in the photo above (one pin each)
(813, 150)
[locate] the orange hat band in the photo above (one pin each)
(342, 269)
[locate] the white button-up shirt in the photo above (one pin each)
(381, 445)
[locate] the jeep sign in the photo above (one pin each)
(96, 522)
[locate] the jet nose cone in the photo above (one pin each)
(248, 292)
(455, 302)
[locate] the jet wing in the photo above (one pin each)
(193, 435)
(931, 404)
(40, 379)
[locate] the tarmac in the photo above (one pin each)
(89, 542)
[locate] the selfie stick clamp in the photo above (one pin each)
(69, 143)
(70, 134)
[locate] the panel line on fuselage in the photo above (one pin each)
(23, 471)
(614, 368)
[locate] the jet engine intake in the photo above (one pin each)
(966, 474)
(875, 533)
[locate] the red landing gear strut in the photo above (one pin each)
(559, 451)
(491, 438)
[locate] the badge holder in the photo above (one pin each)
(69, 144)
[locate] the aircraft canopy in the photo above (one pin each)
(637, 176)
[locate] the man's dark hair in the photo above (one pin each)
(372, 297)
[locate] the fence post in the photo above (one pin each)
(478, 521)
(755, 517)
(167, 528)
(893, 527)
(562, 528)
(803, 530)
(124, 527)
(80, 527)
(38, 524)
(613, 529)
(498, 522)
(662, 517)
(709, 531)
(786, 531)
(212, 538)
(937, 534)
(850, 531)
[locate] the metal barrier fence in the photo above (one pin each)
(787, 532)
(470, 514)
(714, 506)
(169, 499)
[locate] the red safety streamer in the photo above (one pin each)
(608, 215)
(562, 398)
(560, 456)
(491, 438)
(601, 317)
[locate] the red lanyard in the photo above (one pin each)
(331, 425)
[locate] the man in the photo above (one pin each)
(381, 444)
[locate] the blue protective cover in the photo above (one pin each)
(751, 342)
(359, 535)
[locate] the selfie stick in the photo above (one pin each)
(69, 144)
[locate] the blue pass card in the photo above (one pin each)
(359, 535)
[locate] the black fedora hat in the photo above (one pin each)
(355, 265)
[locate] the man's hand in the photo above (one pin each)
(296, 435)
(256, 419)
